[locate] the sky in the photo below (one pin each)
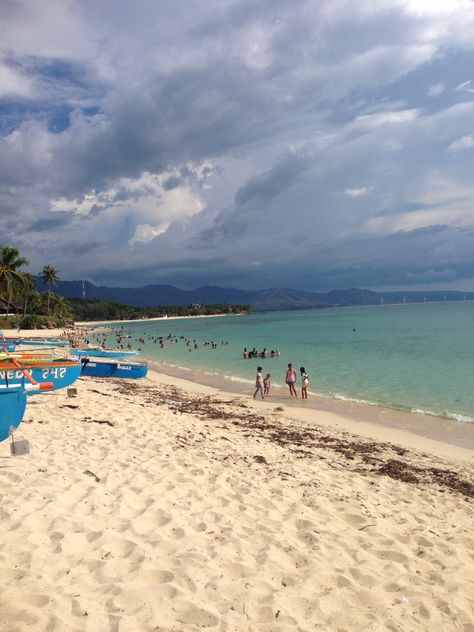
(317, 145)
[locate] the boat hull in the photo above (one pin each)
(61, 375)
(12, 409)
(7, 346)
(96, 368)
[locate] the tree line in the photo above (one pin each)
(26, 307)
(103, 309)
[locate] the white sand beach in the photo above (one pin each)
(159, 504)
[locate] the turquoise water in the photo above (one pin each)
(414, 357)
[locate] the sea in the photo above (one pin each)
(411, 357)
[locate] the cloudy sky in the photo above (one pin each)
(249, 143)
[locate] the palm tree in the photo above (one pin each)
(10, 264)
(50, 278)
(27, 290)
(60, 306)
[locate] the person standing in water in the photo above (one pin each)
(304, 383)
(259, 383)
(290, 379)
(266, 384)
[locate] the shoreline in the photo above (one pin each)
(444, 436)
(369, 420)
(381, 408)
(84, 324)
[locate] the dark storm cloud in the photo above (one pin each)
(80, 248)
(248, 142)
(48, 223)
(252, 201)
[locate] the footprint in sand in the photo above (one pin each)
(197, 616)
(178, 533)
(36, 600)
(393, 556)
(92, 536)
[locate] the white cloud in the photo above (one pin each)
(466, 86)
(465, 142)
(436, 89)
(145, 233)
(12, 83)
(386, 118)
(436, 7)
(355, 193)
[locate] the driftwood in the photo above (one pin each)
(89, 420)
(94, 476)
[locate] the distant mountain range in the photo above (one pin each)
(261, 300)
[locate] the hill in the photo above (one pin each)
(261, 300)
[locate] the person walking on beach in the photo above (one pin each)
(266, 384)
(304, 383)
(259, 383)
(290, 379)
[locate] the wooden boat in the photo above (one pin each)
(111, 368)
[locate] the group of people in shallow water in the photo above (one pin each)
(274, 353)
(122, 335)
(262, 384)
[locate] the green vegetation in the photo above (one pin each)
(21, 303)
(102, 309)
(11, 279)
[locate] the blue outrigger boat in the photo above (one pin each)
(111, 368)
(98, 352)
(7, 346)
(59, 373)
(10, 343)
(43, 342)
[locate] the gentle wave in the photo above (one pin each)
(445, 414)
(235, 378)
(177, 366)
(345, 398)
(462, 418)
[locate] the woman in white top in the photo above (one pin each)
(304, 383)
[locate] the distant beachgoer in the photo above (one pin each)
(266, 384)
(259, 383)
(290, 379)
(245, 353)
(304, 383)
